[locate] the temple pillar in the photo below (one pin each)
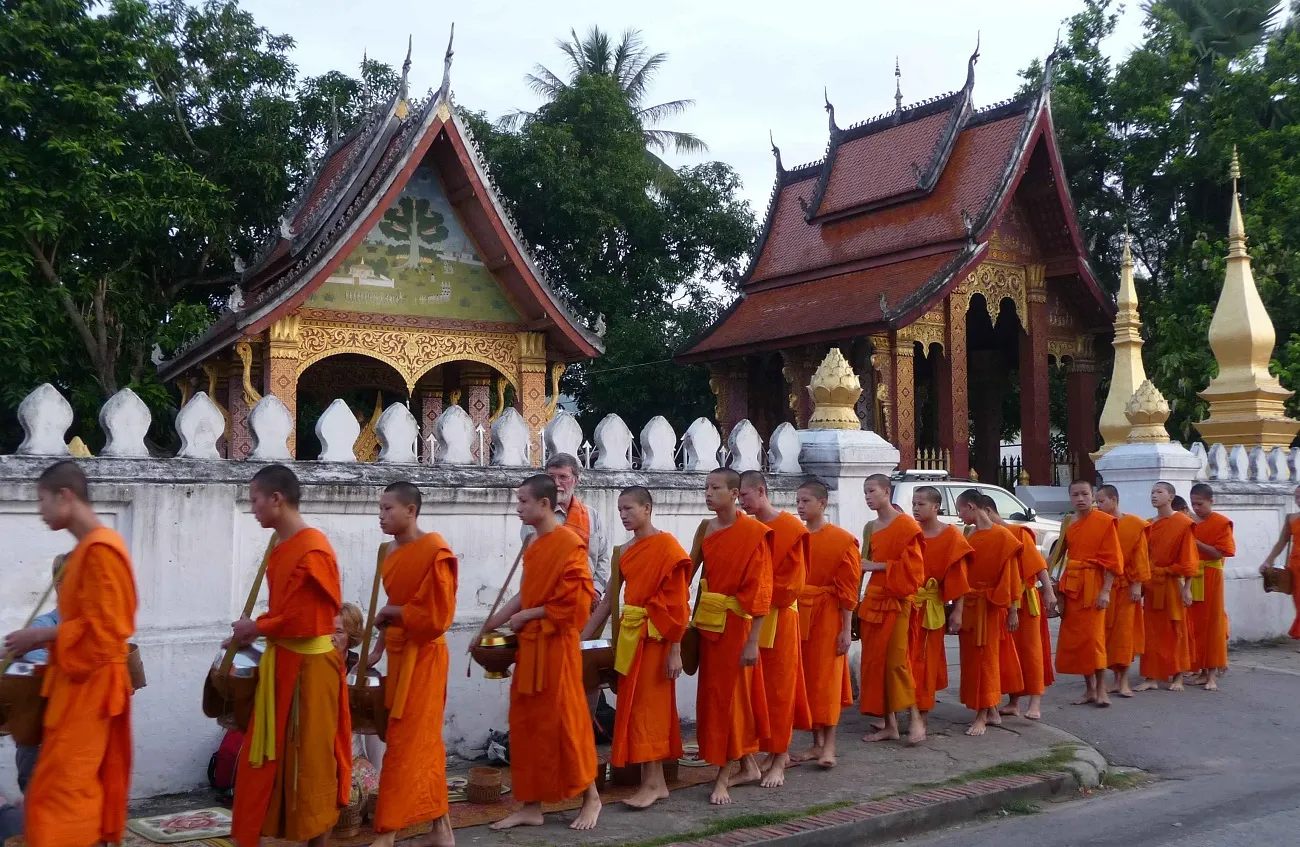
(954, 396)
(431, 403)
(531, 396)
(1035, 396)
(476, 383)
(799, 364)
(882, 362)
(1081, 399)
(987, 412)
(280, 368)
(904, 402)
(729, 381)
(240, 443)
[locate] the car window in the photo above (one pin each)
(1008, 507)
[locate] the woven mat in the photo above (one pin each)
(198, 825)
(365, 837)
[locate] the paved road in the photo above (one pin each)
(1229, 767)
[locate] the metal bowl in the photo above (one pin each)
(26, 669)
(374, 679)
(496, 638)
(246, 659)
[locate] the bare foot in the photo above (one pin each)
(827, 761)
(1148, 685)
(720, 795)
(1090, 697)
(768, 761)
(646, 796)
(879, 725)
(385, 839)
(979, 725)
(1033, 715)
(775, 776)
(442, 835)
(1211, 685)
(529, 815)
(1103, 699)
(813, 753)
(915, 733)
(883, 735)
(1112, 688)
(994, 718)
(1010, 711)
(1177, 685)
(747, 773)
(1197, 679)
(590, 810)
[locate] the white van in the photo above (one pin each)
(1009, 505)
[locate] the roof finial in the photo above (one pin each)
(334, 119)
(403, 108)
(830, 110)
(446, 61)
(1236, 229)
(776, 151)
(970, 65)
(898, 87)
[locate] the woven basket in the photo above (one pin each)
(349, 824)
(483, 785)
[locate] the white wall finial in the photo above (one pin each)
(658, 441)
(510, 439)
(200, 424)
(125, 418)
(700, 446)
(783, 450)
(398, 434)
(563, 435)
(45, 417)
(338, 430)
(271, 425)
(746, 447)
(613, 444)
(454, 432)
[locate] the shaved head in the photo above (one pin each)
(929, 494)
(880, 480)
(638, 494)
(817, 489)
(277, 479)
(65, 476)
(730, 479)
(1109, 491)
(540, 487)
(753, 479)
(407, 494)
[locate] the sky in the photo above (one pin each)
(751, 66)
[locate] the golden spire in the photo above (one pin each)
(1127, 373)
(1147, 410)
(834, 389)
(1246, 401)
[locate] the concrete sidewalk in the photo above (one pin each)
(865, 772)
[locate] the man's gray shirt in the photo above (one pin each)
(598, 549)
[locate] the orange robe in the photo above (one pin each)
(296, 793)
(1125, 633)
(783, 677)
(656, 574)
(995, 584)
(1293, 565)
(1208, 619)
(1032, 638)
(552, 747)
(1091, 550)
(421, 578)
(834, 579)
(1173, 554)
(731, 703)
(947, 558)
(886, 614)
(78, 793)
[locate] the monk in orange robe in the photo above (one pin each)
(1172, 542)
(947, 557)
(78, 793)
(419, 575)
(990, 613)
(1032, 638)
(654, 573)
(295, 768)
(780, 643)
(826, 606)
(552, 747)
(897, 569)
(735, 595)
(1208, 616)
(1290, 535)
(1125, 633)
(1093, 560)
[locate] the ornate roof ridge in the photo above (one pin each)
(801, 172)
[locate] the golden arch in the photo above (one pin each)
(411, 352)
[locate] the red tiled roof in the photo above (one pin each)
(972, 176)
(324, 179)
(845, 302)
(879, 165)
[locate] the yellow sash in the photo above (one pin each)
(711, 610)
(1198, 581)
(634, 624)
(767, 632)
(930, 600)
(262, 746)
(397, 685)
(1030, 602)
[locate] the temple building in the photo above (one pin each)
(938, 248)
(397, 272)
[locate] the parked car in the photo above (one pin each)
(1009, 505)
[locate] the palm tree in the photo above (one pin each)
(1224, 29)
(633, 67)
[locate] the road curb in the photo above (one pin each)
(896, 817)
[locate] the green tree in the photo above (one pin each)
(632, 66)
(414, 223)
(653, 262)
